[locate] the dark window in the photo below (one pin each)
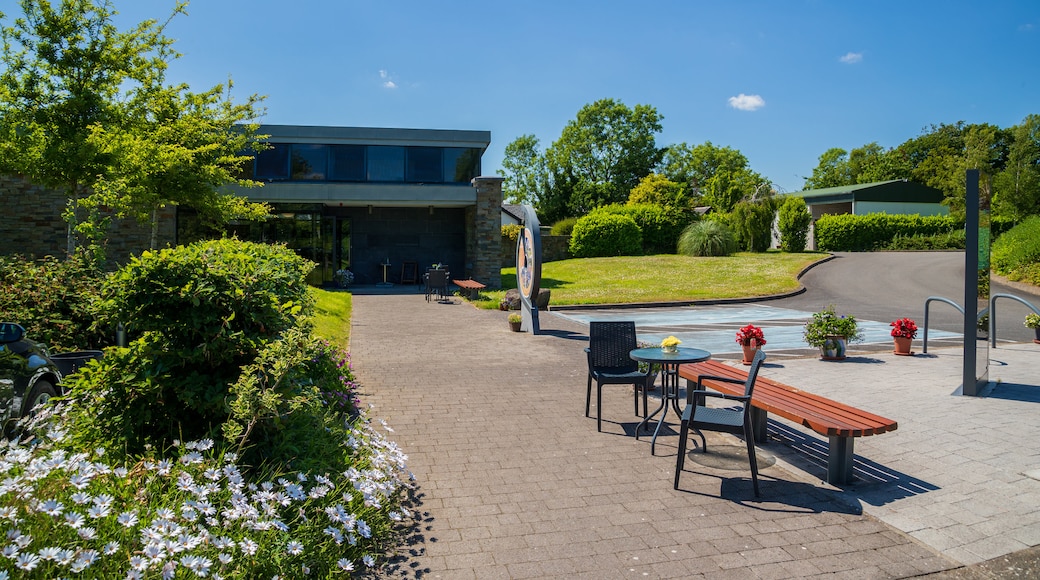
(347, 163)
(309, 162)
(424, 165)
(461, 165)
(272, 164)
(385, 163)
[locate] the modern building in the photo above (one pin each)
(897, 196)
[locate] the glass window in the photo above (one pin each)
(461, 165)
(309, 162)
(346, 162)
(424, 165)
(273, 163)
(385, 163)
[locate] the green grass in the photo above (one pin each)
(332, 316)
(664, 278)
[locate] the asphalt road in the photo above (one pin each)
(890, 285)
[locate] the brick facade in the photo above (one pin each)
(484, 232)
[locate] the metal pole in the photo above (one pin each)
(969, 383)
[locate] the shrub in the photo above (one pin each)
(563, 227)
(1016, 253)
(861, 233)
(659, 225)
(794, 221)
(753, 222)
(52, 299)
(949, 241)
(200, 313)
(511, 232)
(605, 234)
(707, 238)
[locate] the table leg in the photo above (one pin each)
(669, 390)
(664, 403)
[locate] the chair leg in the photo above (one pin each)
(750, 438)
(588, 395)
(599, 406)
(684, 432)
(635, 399)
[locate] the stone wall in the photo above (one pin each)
(31, 224)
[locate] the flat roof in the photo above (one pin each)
(895, 190)
(376, 136)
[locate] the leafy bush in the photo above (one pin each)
(52, 300)
(753, 224)
(200, 313)
(605, 234)
(1016, 253)
(949, 241)
(511, 232)
(660, 226)
(794, 221)
(563, 227)
(707, 238)
(861, 233)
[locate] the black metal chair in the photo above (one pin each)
(699, 417)
(436, 283)
(609, 364)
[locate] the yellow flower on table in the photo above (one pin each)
(670, 344)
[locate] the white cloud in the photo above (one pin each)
(388, 83)
(852, 58)
(747, 102)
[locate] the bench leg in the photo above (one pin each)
(839, 460)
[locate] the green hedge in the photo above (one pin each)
(855, 233)
(660, 226)
(601, 234)
(1016, 254)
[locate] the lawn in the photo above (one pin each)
(332, 316)
(664, 278)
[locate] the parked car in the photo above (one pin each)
(28, 375)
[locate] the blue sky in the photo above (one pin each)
(781, 81)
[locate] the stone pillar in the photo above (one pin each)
(484, 247)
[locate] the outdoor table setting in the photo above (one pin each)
(669, 359)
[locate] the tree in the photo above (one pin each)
(600, 156)
(659, 190)
(831, 171)
(84, 107)
(721, 175)
(1016, 189)
(524, 171)
(949, 150)
(180, 148)
(793, 222)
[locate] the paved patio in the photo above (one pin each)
(512, 481)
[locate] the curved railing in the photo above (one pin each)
(927, 303)
(993, 311)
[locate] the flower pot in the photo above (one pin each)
(833, 348)
(749, 352)
(515, 326)
(670, 349)
(1037, 339)
(902, 345)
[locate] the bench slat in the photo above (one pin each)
(823, 415)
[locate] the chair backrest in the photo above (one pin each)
(756, 363)
(610, 343)
(437, 278)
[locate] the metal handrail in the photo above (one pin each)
(993, 310)
(927, 302)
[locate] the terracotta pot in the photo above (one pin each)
(834, 348)
(749, 351)
(902, 345)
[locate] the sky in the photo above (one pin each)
(780, 81)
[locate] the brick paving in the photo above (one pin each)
(512, 481)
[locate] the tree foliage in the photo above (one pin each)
(659, 190)
(793, 222)
(523, 167)
(721, 175)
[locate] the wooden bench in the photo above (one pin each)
(472, 287)
(841, 423)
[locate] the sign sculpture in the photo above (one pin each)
(529, 270)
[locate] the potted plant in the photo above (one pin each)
(670, 344)
(1033, 321)
(904, 331)
(750, 338)
(831, 333)
(515, 320)
(343, 278)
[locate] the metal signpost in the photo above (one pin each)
(976, 286)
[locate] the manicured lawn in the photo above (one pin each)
(332, 316)
(664, 278)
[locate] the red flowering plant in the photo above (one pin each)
(904, 327)
(745, 334)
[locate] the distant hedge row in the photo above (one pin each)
(862, 233)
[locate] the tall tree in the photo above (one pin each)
(720, 176)
(524, 171)
(600, 156)
(831, 171)
(659, 190)
(1016, 189)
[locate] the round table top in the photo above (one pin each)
(682, 355)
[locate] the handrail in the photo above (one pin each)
(993, 311)
(924, 345)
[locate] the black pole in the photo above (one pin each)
(969, 381)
